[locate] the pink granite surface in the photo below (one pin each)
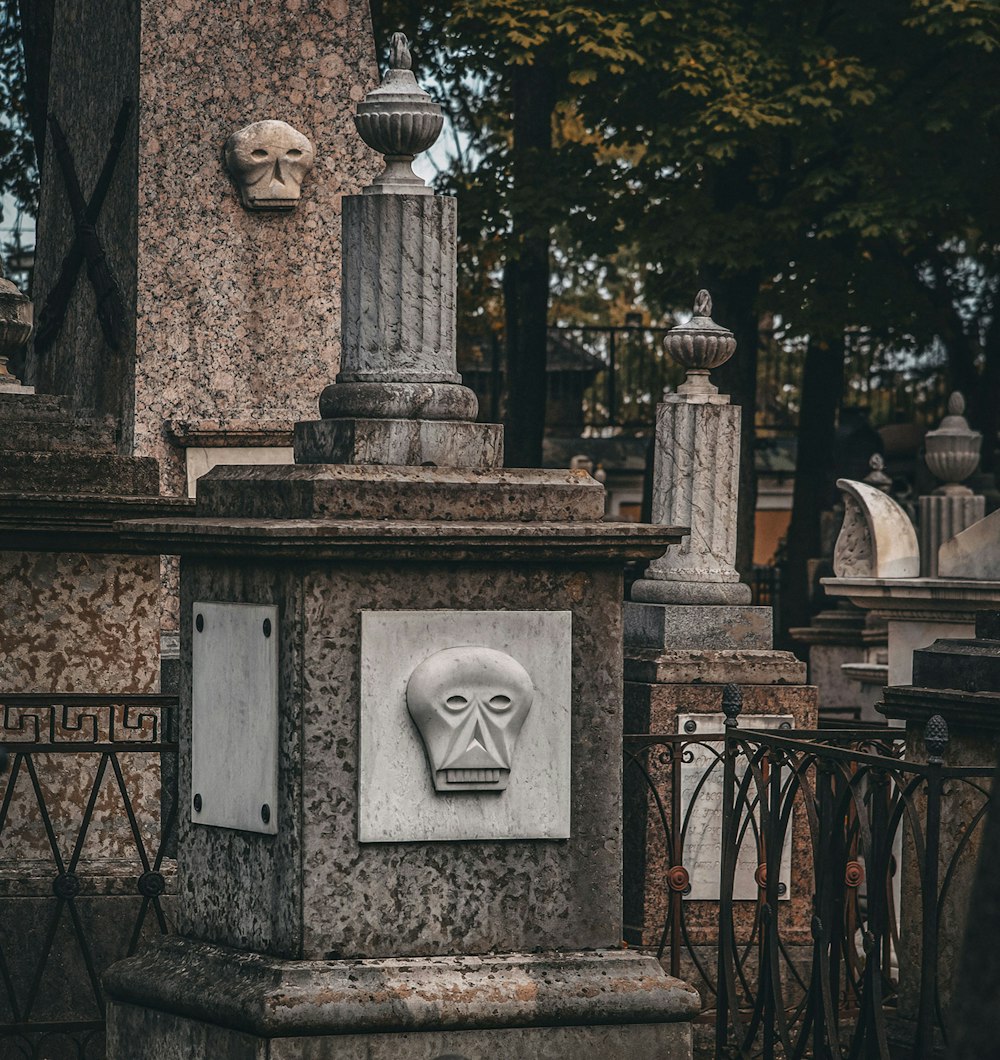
(238, 313)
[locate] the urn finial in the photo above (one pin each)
(15, 329)
(399, 120)
(952, 451)
(698, 346)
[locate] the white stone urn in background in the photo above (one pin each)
(952, 451)
(952, 455)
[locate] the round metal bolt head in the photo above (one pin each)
(197, 804)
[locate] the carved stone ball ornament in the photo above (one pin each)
(399, 120)
(699, 345)
(268, 161)
(469, 704)
(952, 451)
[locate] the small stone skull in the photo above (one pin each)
(469, 704)
(269, 160)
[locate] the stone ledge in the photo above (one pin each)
(348, 491)
(697, 666)
(440, 443)
(81, 523)
(272, 997)
(961, 710)
(368, 539)
(702, 626)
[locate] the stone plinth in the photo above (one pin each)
(304, 541)
(222, 313)
(839, 637)
(942, 516)
(958, 680)
(677, 661)
(917, 611)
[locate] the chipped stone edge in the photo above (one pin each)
(268, 996)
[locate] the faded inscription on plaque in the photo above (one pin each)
(701, 807)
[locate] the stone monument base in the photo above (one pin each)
(667, 591)
(439, 443)
(188, 1000)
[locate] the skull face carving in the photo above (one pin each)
(469, 705)
(268, 160)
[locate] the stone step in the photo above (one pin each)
(46, 423)
(102, 474)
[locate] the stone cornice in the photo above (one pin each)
(918, 599)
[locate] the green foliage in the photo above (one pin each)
(18, 175)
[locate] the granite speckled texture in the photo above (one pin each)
(230, 315)
(495, 896)
(546, 1005)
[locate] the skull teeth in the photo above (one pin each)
(472, 776)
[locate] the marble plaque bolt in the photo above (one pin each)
(268, 161)
(399, 120)
(696, 473)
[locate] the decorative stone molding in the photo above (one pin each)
(469, 705)
(877, 539)
(268, 160)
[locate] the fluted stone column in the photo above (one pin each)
(696, 474)
(952, 455)
(398, 398)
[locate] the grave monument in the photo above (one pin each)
(690, 630)
(401, 712)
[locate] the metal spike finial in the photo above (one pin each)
(936, 739)
(732, 704)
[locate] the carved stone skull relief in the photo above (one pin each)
(469, 705)
(268, 160)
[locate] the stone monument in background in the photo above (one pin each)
(401, 727)
(187, 275)
(690, 631)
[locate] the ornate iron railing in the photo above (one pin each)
(839, 896)
(87, 818)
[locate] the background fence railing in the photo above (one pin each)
(87, 817)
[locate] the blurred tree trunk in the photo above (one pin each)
(36, 36)
(822, 391)
(526, 271)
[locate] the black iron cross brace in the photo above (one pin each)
(86, 244)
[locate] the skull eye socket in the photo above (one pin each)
(294, 153)
(258, 153)
(500, 702)
(456, 702)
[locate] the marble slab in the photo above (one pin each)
(397, 797)
(701, 785)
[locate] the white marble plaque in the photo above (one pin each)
(415, 782)
(234, 717)
(703, 840)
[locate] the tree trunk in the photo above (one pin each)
(36, 36)
(822, 390)
(526, 272)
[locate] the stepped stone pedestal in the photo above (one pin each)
(401, 728)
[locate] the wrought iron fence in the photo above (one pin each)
(803, 881)
(87, 820)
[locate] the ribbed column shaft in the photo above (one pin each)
(942, 516)
(696, 484)
(398, 293)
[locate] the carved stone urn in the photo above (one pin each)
(699, 345)
(16, 316)
(952, 451)
(399, 120)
